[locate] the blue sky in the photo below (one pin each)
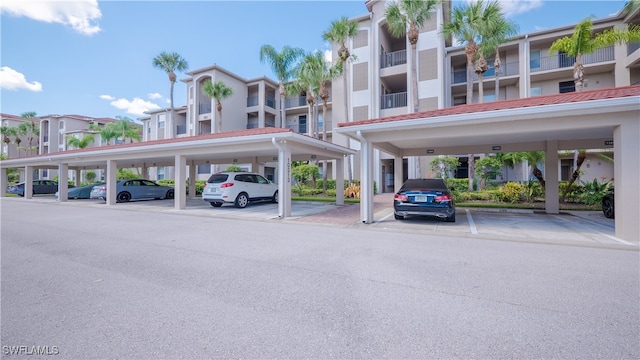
(95, 58)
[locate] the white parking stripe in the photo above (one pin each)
(619, 240)
(472, 224)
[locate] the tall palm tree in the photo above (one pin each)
(583, 41)
(497, 33)
(319, 71)
(7, 133)
(21, 131)
(170, 63)
(305, 83)
(282, 64)
(631, 6)
(219, 91)
(407, 17)
(33, 129)
(341, 31)
(127, 129)
(80, 143)
(106, 132)
(467, 25)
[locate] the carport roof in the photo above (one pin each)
(576, 120)
(241, 145)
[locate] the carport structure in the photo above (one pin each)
(254, 146)
(580, 120)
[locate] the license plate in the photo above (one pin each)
(420, 198)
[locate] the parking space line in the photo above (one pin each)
(619, 240)
(472, 224)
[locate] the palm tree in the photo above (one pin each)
(497, 34)
(341, 31)
(282, 64)
(631, 6)
(319, 71)
(407, 17)
(583, 42)
(218, 91)
(106, 132)
(304, 83)
(33, 129)
(21, 131)
(580, 158)
(7, 133)
(79, 143)
(125, 127)
(468, 23)
(170, 63)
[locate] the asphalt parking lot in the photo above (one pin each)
(582, 228)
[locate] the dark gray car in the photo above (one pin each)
(135, 189)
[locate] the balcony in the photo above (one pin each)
(393, 58)
(270, 101)
(295, 102)
(395, 100)
(508, 69)
(204, 108)
(181, 129)
(632, 47)
(252, 101)
(561, 61)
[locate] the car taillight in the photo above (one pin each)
(400, 197)
(442, 198)
(102, 188)
(226, 185)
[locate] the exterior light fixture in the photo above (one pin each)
(430, 151)
(496, 148)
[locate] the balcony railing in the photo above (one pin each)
(632, 47)
(252, 101)
(395, 100)
(204, 108)
(393, 58)
(181, 129)
(252, 125)
(295, 101)
(508, 69)
(270, 101)
(561, 61)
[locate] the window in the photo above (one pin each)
(534, 62)
(160, 172)
(204, 169)
(161, 120)
(302, 124)
(567, 86)
(535, 91)
(489, 98)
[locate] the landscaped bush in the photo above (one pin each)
(594, 191)
(331, 184)
(459, 184)
(511, 192)
(171, 182)
(462, 196)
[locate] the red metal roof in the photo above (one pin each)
(599, 94)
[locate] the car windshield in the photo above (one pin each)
(217, 178)
(431, 184)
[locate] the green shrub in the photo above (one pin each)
(331, 192)
(331, 184)
(511, 192)
(233, 168)
(459, 184)
(594, 191)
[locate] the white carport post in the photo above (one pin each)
(339, 169)
(192, 179)
(398, 172)
(63, 182)
(551, 198)
(366, 179)
(4, 181)
(284, 178)
(110, 181)
(180, 186)
(78, 180)
(626, 174)
(28, 182)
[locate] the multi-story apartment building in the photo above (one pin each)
(254, 103)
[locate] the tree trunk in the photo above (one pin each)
(345, 84)
(282, 107)
(578, 73)
(496, 65)
(582, 155)
(538, 174)
(472, 170)
(414, 79)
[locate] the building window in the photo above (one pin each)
(489, 98)
(204, 169)
(534, 62)
(535, 91)
(459, 100)
(160, 172)
(567, 87)
(302, 124)
(161, 120)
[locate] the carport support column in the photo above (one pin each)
(180, 182)
(552, 200)
(4, 181)
(284, 179)
(398, 170)
(110, 180)
(626, 174)
(63, 182)
(192, 180)
(339, 169)
(28, 182)
(366, 180)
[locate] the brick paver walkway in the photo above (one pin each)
(349, 213)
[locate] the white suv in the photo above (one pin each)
(238, 188)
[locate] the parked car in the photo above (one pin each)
(608, 205)
(81, 192)
(39, 187)
(430, 197)
(134, 189)
(238, 188)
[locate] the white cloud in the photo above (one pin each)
(13, 80)
(136, 106)
(81, 15)
(328, 56)
(517, 7)
(155, 96)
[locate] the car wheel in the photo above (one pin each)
(124, 197)
(451, 218)
(170, 194)
(242, 201)
(398, 217)
(608, 208)
(216, 204)
(274, 199)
